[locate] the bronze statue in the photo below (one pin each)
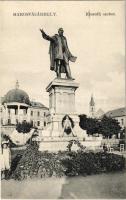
(59, 53)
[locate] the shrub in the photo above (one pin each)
(44, 164)
(16, 156)
(82, 163)
(24, 127)
(71, 142)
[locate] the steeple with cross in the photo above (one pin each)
(92, 107)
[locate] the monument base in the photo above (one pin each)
(62, 103)
(55, 127)
(56, 144)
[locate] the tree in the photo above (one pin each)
(109, 127)
(89, 124)
(83, 122)
(92, 126)
(106, 126)
(24, 127)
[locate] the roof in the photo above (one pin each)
(38, 105)
(16, 95)
(117, 112)
(99, 113)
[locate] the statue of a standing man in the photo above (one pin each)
(59, 53)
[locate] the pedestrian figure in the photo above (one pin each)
(5, 159)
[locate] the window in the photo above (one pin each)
(38, 113)
(24, 111)
(44, 123)
(122, 121)
(31, 113)
(44, 114)
(16, 111)
(38, 123)
(1, 121)
(32, 122)
(9, 121)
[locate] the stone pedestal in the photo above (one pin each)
(62, 96)
(61, 103)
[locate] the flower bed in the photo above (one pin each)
(44, 164)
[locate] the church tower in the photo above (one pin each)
(92, 107)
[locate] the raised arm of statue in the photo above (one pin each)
(45, 36)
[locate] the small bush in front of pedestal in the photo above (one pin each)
(34, 163)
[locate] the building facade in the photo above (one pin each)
(38, 114)
(17, 107)
(118, 114)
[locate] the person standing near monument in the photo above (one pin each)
(59, 53)
(5, 159)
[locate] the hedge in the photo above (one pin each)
(44, 164)
(81, 163)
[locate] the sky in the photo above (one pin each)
(97, 41)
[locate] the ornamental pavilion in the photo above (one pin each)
(17, 107)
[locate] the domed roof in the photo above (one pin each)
(16, 95)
